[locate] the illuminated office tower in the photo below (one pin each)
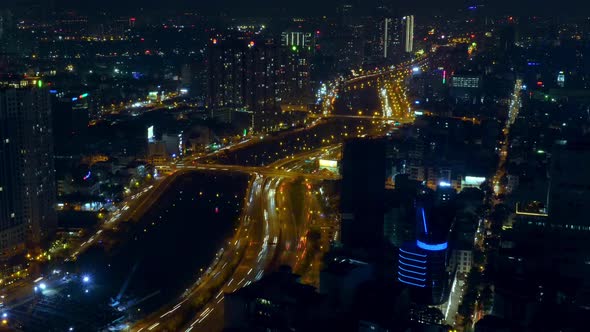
(388, 43)
(27, 179)
(408, 22)
(423, 263)
(386, 37)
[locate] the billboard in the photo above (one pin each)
(153, 95)
(330, 165)
(472, 181)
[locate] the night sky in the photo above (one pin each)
(327, 7)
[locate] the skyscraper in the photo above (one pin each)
(389, 42)
(386, 38)
(227, 74)
(423, 263)
(245, 74)
(27, 179)
(363, 191)
(408, 33)
(257, 74)
(383, 42)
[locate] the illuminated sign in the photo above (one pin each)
(330, 165)
(153, 95)
(150, 134)
(325, 163)
(473, 181)
(432, 247)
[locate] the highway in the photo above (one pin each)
(270, 231)
(259, 170)
(268, 235)
(513, 110)
(278, 239)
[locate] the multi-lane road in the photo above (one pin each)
(267, 171)
(513, 110)
(268, 235)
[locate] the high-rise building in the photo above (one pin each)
(227, 74)
(296, 68)
(550, 242)
(70, 117)
(27, 175)
(8, 38)
(363, 191)
(351, 42)
(408, 23)
(383, 42)
(298, 38)
(386, 37)
(257, 75)
(423, 264)
(245, 74)
(390, 37)
(466, 88)
(345, 13)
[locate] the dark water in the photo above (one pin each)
(160, 255)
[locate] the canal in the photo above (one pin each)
(144, 264)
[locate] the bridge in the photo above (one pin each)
(262, 170)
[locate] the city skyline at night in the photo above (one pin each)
(294, 166)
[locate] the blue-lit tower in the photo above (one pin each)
(423, 263)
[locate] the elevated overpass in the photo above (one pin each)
(268, 171)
